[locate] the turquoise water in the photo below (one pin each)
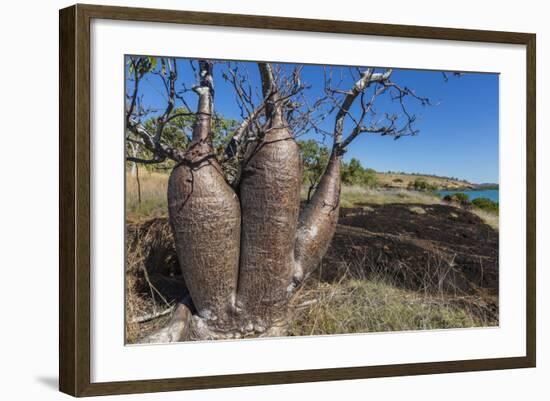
(485, 193)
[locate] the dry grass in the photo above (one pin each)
(358, 196)
(417, 210)
(362, 306)
(353, 196)
(368, 294)
(397, 180)
(353, 303)
(368, 298)
(489, 218)
(153, 187)
(132, 305)
(153, 278)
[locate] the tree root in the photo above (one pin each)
(176, 330)
(184, 326)
(152, 316)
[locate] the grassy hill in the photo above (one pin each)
(404, 181)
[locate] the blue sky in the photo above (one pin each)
(458, 134)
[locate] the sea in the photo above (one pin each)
(473, 194)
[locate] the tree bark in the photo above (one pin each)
(319, 218)
(317, 222)
(243, 257)
(270, 201)
(205, 218)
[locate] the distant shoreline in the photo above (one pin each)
(492, 194)
(392, 179)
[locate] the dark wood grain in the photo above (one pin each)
(67, 266)
(74, 199)
(74, 206)
(301, 376)
(531, 229)
(82, 201)
(301, 24)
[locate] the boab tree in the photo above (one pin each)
(244, 244)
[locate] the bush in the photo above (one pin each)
(486, 204)
(420, 184)
(459, 197)
(353, 173)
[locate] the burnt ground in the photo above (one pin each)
(430, 248)
(439, 249)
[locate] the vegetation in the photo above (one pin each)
(487, 186)
(486, 204)
(351, 303)
(420, 184)
(433, 176)
(177, 134)
(458, 197)
(461, 197)
(148, 198)
(154, 186)
(362, 306)
(489, 218)
(359, 196)
(484, 208)
(406, 181)
(315, 159)
(353, 173)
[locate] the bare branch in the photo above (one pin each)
(144, 161)
(269, 89)
(153, 141)
(366, 108)
(130, 110)
(202, 130)
(160, 150)
(389, 125)
(367, 77)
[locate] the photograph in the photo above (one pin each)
(268, 199)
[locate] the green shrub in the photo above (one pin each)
(461, 197)
(420, 184)
(315, 159)
(486, 204)
(353, 173)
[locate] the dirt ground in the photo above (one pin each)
(412, 241)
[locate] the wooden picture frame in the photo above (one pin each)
(75, 207)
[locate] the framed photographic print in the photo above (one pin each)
(250, 200)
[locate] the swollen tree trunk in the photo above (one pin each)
(318, 220)
(270, 201)
(205, 219)
(242, 260)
